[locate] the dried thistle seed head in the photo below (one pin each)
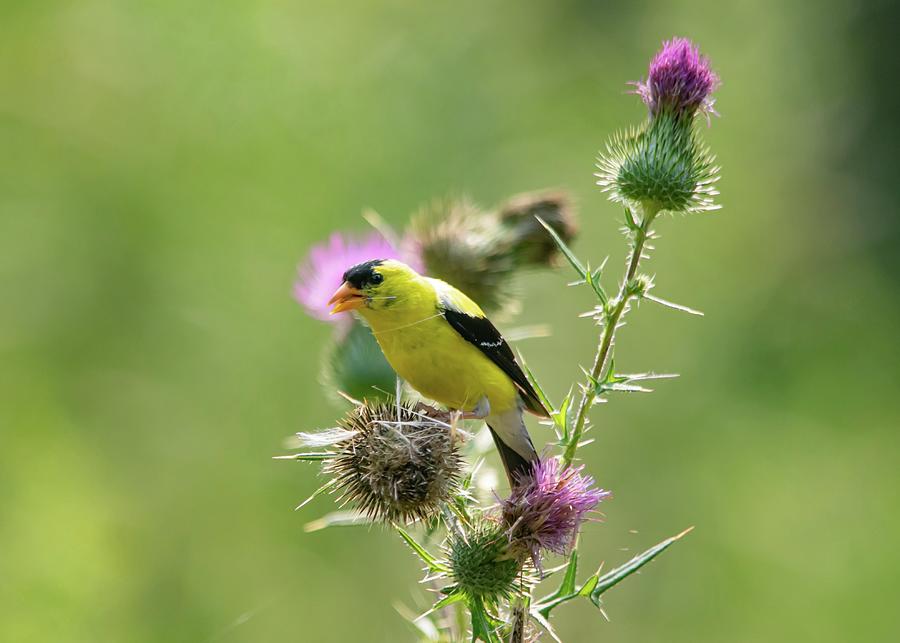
(482, 565)
(467, 247)
(529, 241)
(396, 462)
(545, 510)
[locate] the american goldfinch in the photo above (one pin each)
(440, 342)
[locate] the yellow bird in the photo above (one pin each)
(441, 343)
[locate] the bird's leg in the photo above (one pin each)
(481, 411)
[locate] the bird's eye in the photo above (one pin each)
(377, 279)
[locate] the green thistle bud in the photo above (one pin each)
(661, 166)
(394, 461)
(530, 244)
(355, 365)
(482, 566)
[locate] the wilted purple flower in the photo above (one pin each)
(680, 79)
(545, 508)
(321, 274)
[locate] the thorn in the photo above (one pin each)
(350, 399)
(684, 533)
(673, 305)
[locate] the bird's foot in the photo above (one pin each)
(481, 411)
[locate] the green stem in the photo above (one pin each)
(613, 315)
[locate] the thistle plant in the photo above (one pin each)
(418, 469)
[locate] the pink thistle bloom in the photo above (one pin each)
(546, 507)
(681, 79)
(322, 272)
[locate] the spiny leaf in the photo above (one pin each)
(593, 280)
(589, 585)
(430, 561)
(318, 492)
(624, 382)
(545, 624)
(565, 592)
(313, 456)
(568, 584)
(424, 625)
(561, 416)
(596, 584)
(617, 575)
(450, 599)
(483, 626)
(458, 509)
(567, 253)
(338, 519)
(466, 483)
(621, 387)
(630, 220)
(533, 380)
(638, 377)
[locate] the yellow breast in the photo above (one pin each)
(436, 361)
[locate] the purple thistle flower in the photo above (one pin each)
(680, 79)
(322, 272)
(546, 508)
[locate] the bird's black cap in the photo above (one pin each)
(363, 274)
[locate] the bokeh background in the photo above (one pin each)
(166, 165)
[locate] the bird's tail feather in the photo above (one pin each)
(516, 466)
(517, 462)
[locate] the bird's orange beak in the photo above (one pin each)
(346, 298)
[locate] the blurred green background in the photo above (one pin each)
(167, 164)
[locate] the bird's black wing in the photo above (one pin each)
(483, 334)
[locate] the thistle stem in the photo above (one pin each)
(518, 619)
(613, 314)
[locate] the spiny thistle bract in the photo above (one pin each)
(395, 462)
(546, 508)
(462, 245)
(479, 251)
(482, 566)
(530, 244)
(662, 165)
